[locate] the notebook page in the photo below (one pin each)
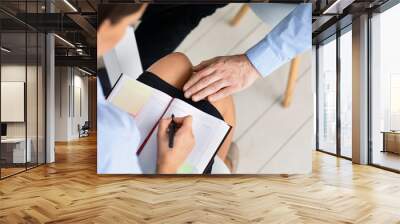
(143, 102)
(129, 94)
(208, 131)
(151, 112)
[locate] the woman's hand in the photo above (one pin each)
(170, 159)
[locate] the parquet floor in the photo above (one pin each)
(10, 171)
(70, 191)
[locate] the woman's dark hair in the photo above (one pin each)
(115, 12)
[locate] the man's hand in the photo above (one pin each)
(220, 77)
(170, 159)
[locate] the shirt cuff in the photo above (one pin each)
(264, 58)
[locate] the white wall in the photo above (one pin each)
(33, 127)
(71, 93)
(17, 73)
(61, 103)
(14, 73)
(79, 117)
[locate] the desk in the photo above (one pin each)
(391, 141)
(16, 147)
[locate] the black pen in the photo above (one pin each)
(171, 132)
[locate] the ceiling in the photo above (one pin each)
(332, 15)
(74, 22)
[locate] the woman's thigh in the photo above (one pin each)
(176, 69)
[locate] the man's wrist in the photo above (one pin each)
(250, 68)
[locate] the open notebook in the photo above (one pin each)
(149, 105)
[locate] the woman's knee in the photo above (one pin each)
(174, 68)
(226, 107)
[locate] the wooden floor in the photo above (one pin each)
(10, 171)
(70, 191)
(387, 159)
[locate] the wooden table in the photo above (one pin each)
(391, 141)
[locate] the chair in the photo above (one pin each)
(84, 130)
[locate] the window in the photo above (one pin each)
(346, 94)
(385, 89)
(334, 138)
(22, 65)
(14, 143)
(394, 102)
(327, 97)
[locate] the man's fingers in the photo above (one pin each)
(221, 94)
(200, 66)
(197, 76)
(203, 64)
(202, 83)
(210, 90)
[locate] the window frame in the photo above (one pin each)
(371, 13)
(334, 37)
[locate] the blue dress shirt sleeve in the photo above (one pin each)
(289, 38)
(117, 139)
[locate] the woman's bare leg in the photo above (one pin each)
(176, 69)
(227, 109)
